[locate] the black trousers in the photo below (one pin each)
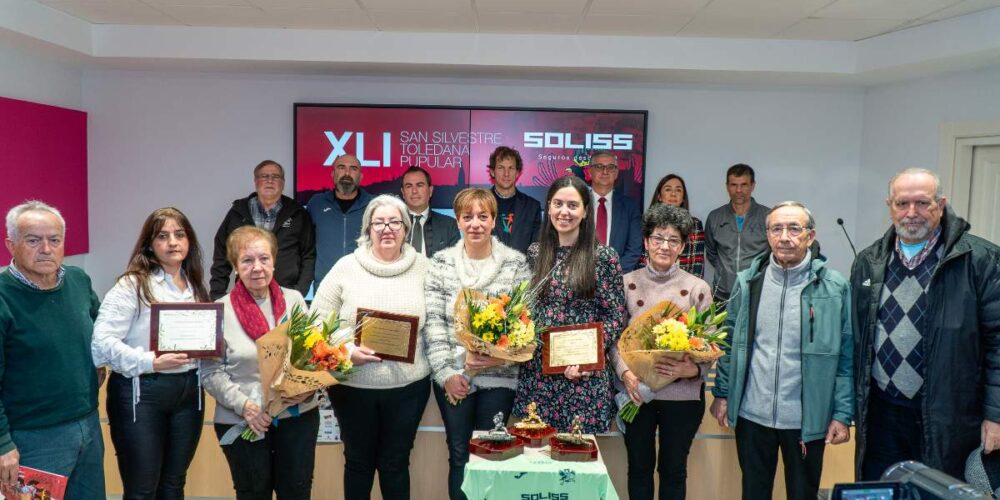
(281, 462)
(893, 435)
(155, 450)
(757, 449)
(678, 422)
(474, 413)
(378, 427)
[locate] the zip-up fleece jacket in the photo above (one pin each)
(730, 250)
(336, 232)
(827, 346)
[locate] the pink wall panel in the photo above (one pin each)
(43, 155)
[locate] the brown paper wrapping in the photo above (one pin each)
(278, 378)
(476, 345)
(642, 361)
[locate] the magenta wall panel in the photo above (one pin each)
(43, 155)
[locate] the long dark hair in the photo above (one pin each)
(143, 261)
(578, 268)
(685, 204)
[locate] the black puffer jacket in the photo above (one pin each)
(296, 246)
(961, 342)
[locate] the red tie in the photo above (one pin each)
(602, 221)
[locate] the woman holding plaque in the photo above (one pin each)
(379, 289)
(478, 262)
(154, 402)
(672, 191)
(578, 281)
(282, 460)
(676, 409)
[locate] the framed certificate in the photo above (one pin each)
(569, 345)
(392, 336)
(188, 328)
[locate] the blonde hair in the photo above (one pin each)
(468, 197)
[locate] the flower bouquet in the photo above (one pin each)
(298, 356)
(667, 331)
(496, 326)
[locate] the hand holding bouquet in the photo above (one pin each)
(499, 327)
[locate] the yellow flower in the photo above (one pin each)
(315, 335)
(672, 335)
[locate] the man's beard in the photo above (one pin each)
(346, 184)
(920, 233)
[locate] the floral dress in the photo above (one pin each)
(558, 398)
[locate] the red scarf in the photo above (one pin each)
(248, 313)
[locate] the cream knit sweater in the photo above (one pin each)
(358, 280)
(451, 271)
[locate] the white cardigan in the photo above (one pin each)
(358, 280)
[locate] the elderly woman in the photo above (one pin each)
(380, 405)
(154, 402)
(672, 191)
(578, 281)
(677, 408)
(282, 460)
(477, 262)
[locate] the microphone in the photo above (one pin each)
(844, 229)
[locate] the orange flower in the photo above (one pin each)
(524, 317)
(697, 343)
(683, 318)
(505, 299)
(503, 342)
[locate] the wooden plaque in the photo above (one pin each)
(191, 328)
(569, 345)
(392, 336)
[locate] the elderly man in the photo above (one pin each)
(519, 216)
(788, 370)
(48, 384)
(926, 300)
(337, 214)
(617, 218)
(431, 231)
(734, 232)
(267, 208)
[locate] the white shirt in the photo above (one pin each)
(419, 226)
(607, 204)
(122, 329)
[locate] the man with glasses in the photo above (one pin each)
(734, 232)
(337, 214)
(267, 208)
(926, 301)
(48, 384)
(617, 218)
(785, 383)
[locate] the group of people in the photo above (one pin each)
(908, 351)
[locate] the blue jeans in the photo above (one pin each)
(74, 449)
(474, 413)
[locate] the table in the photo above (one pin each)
(533, 475)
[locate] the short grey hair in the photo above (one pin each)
(31, 206)
(365, 239)
(810, 224)
(603, 152)
(938, 193)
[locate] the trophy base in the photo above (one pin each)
(565, 452)
(533, 438)
(491, 450)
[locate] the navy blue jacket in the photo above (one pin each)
(527, 223)
(626, 230)
(336, 232)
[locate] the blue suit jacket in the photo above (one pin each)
(626, 230)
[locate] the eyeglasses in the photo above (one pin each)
(269, 177)
(794, 230)
(672, 242)
(606, 167)
(393, 225)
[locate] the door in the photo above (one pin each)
(984, 203)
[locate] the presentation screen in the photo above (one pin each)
(454, 145)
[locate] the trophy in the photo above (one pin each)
(573, 446)
(497, 444)
(532, 429)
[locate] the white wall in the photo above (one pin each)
(902, 129)
(190, 140)
(30, 77)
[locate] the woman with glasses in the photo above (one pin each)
(577, 281)
(676, 409)
(380, 405)
(672, 191)
(154, 401)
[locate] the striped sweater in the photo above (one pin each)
(450, 271)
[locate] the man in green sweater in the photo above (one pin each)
(48, 384)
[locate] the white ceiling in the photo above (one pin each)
(839, 20)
